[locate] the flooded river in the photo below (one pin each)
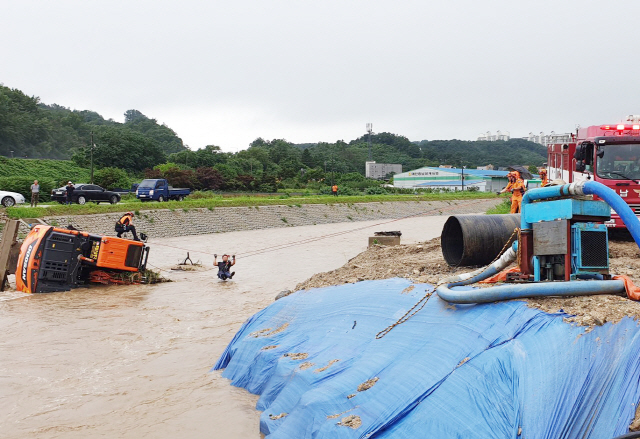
(134, 361)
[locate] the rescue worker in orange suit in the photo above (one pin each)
(125, 224)
(510, 180)
(517, 191)
(334, 190)
(544, 177)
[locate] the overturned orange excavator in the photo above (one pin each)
(56, 259)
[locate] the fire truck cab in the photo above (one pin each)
(608, 154)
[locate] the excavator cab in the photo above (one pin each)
(55, 259)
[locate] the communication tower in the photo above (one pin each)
(370, 130)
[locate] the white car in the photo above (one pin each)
(8, 199)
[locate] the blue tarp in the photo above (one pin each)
(499, 370)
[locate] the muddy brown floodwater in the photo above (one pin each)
(134, 361)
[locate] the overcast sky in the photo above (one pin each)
(227, 72)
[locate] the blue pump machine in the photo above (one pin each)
(561, 238)
(570, 240)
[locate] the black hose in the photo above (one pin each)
(476, 239)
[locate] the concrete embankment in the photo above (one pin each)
(181, 222)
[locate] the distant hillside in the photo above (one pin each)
(29, 128)
(480, 153)
(393, 148)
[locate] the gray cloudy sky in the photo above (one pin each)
(227, 72)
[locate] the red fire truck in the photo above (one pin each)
(609, 154)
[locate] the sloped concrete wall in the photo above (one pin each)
(182, 222)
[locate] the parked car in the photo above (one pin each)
(159, 190)
(85, 192)
(8, 199)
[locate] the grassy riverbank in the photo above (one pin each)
(212, 203)
(501, 209)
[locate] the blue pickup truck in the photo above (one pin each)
(157, 189)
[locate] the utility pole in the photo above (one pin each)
(370, 130)
(91, 149)
(333, 167)
(462, 166)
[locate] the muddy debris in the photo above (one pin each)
(266, 348)
(635, 425)
(260, 333)
(307, 365)
(423, 263)
(322, 369)
(297, 355)
(267, 332)
(274, 417)
(409, 288)
(351, 421)
(337, 415)
(194, 268)
(283, 293)
(367, 384)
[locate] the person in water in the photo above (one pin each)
(224, 266)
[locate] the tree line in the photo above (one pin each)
(31, 129)
(140, 147)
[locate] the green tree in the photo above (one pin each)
(307, 158)
(112, 178)
(165, 137)
(125, 149)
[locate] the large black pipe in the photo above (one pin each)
(476, 239)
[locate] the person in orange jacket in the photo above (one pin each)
(544, 177)
(510, 180)
(517, 191)
(517, 188)
(334, 190)
(125, 224)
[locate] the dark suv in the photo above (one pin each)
(85, 192)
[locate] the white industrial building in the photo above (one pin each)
(451, 178)
(378, 171)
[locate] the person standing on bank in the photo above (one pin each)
(334, 190)
(70, 188)
(224, 266)
(518, 189)
(544, 178)
(35, 193)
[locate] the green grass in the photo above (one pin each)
(57, 170)
(502, 208)
(210, 203)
